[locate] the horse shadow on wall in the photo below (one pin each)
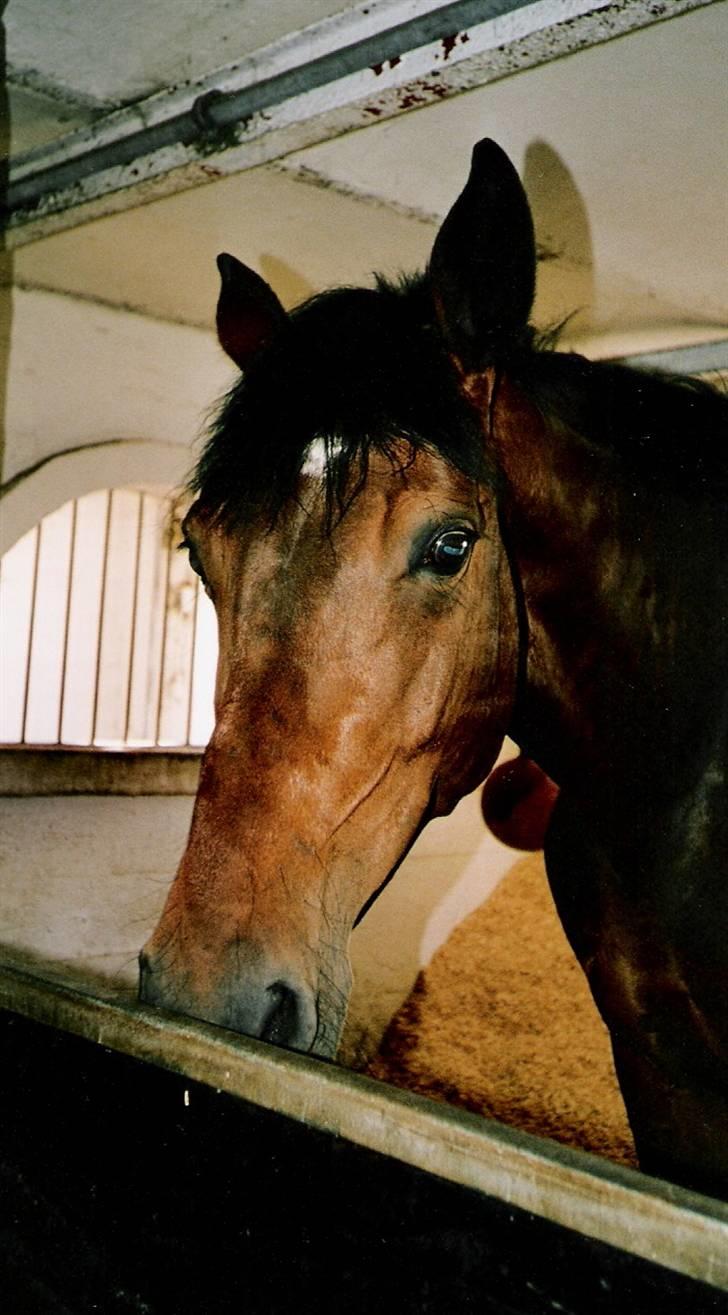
(566, 286)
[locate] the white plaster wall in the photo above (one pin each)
(83, 879)
(81, 374)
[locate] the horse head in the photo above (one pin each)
(346, 526)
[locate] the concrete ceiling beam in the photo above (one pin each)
(370, 63)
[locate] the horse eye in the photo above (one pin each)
(195, 563)
(448, 553)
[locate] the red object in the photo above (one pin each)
(518, 800)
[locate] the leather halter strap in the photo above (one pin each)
(522, 624)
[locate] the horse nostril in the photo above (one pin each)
(282, 1021)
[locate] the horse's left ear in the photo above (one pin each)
(483, 264)
(249, 313)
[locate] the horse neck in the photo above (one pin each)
(614, 633)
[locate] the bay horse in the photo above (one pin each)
(423, 528)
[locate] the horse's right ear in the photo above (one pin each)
(483, 264)
(249, 313)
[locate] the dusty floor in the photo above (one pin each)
(502, 1022)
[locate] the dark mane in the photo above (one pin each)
(668, 431)
(361, 367)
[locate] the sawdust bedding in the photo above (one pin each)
(502, 1023)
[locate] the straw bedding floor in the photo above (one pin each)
(502, 1022)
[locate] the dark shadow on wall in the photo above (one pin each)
(566, 285)
(6, 255)
(290, 286)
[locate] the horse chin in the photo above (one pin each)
(332, 1004)
(293, 995)
(328, 1038)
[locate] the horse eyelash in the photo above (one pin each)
(186, 545)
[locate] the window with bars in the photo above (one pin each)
(108, 638)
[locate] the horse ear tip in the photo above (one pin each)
(486, 153)
(226, 265)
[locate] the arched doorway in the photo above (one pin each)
(110, 640)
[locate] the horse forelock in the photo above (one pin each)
(355, 371)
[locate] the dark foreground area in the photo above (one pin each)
(124, 1188)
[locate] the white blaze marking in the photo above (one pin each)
(318, 455)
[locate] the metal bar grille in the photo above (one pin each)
(67, 620)
(193, 662)
(163, 658)
(37, 533)
(90, 659)
(133, 627)
(102, 616)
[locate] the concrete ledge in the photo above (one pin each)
(42, 770)
(643, 1216)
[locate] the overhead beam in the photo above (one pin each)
(362, 66)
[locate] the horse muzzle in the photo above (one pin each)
(254, 999)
